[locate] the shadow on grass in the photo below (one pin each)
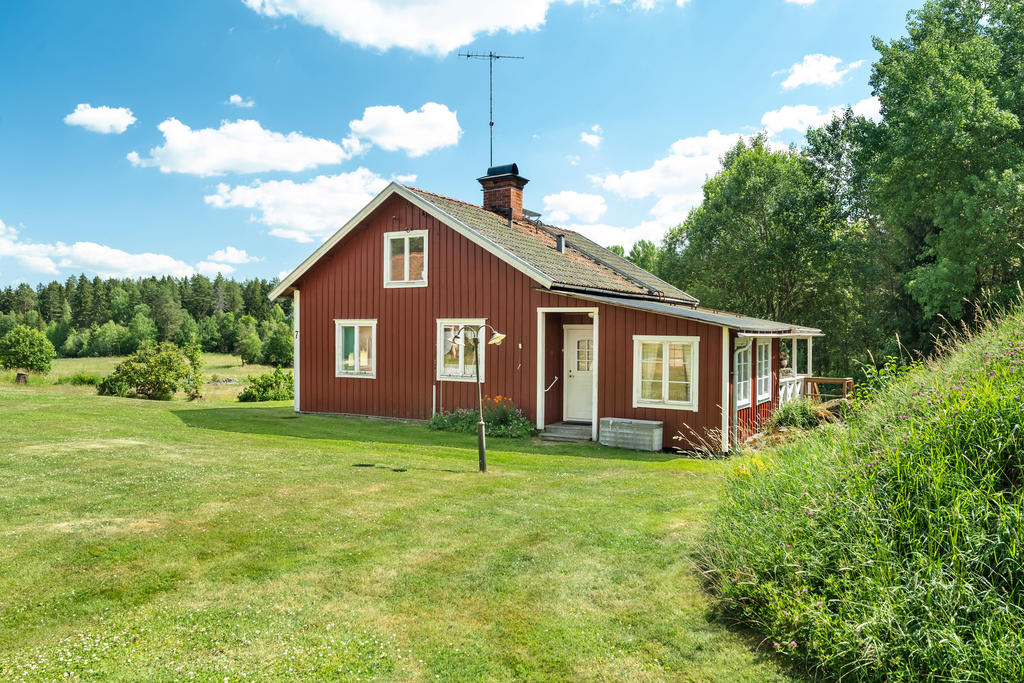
(275, 421)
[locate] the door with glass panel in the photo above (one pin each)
(578, 391)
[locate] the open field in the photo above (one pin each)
(218, 541)
(216, 366)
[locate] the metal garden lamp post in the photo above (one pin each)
(496, 339)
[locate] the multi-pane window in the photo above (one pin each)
(584, 354)
(742, 383)
(664, 372)
(764, 370)
(355, 348)
(405, 259)
(457, 349)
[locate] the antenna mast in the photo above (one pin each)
(490, 57)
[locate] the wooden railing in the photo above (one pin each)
(795, 386)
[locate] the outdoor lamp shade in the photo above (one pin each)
(496, 338)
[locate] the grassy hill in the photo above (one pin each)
(892, 548)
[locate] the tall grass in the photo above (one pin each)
(892, 547)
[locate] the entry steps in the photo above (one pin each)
(566, 432)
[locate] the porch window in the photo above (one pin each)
(764, 370)
(355, 348)
(456, 359)
(665, 372)
(405, 259)
(743, 377)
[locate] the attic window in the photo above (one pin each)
(405, 259)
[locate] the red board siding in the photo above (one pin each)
(465, 281)
(752, 418)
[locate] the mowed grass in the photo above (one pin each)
(217, 541)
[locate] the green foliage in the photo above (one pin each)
(279, 347)
(272, 386)
(798, 413)
(24, 348)
(948, 159)
(155, 371)
(891, 548)
(501, 417)
(250, 348)
(80, 379)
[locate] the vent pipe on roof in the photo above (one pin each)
(560, 243)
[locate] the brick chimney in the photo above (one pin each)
(503, 190)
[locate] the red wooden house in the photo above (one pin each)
(589, 334)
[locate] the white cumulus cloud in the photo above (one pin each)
(414, 132)
(677, 179)
(100, 259)
(569, 205)
(870, 108)
(305, 211)
(817, 69)
(211, 269)
(797, 117)
(429, 27)
(242, 146)
(101, 119)
(230, 254)
(241, 102)
(593, 137)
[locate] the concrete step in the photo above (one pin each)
(561, 431)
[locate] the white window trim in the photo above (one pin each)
(690, 405)
(747, 348)
(439, 341)
(340, 323)
(767, 395)
(388, 236)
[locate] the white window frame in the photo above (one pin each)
(439, 341)
(371, 373)
(694, 342)
(404, 234)
(738, 382)
(765, 378)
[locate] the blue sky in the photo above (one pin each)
(122, 152)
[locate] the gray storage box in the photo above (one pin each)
(640, 435)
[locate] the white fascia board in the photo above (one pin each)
(417, 201)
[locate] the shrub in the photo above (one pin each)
(155, 371)
(501, 416)
(272, 386)
(799, 413)
(80, 379)
(24, 348)
(890, 548)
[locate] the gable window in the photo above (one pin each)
(355, 348)
(742, 383)
(665, 372)
(764, 370)
(405, 259)
(457, 348)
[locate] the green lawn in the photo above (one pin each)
(219, 541)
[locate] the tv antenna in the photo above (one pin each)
(490, 57)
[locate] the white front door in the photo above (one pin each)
(578, 392)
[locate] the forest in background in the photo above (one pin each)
(882, 232)
(97, 317)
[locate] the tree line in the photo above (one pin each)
(878, 232)
(111, 317)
